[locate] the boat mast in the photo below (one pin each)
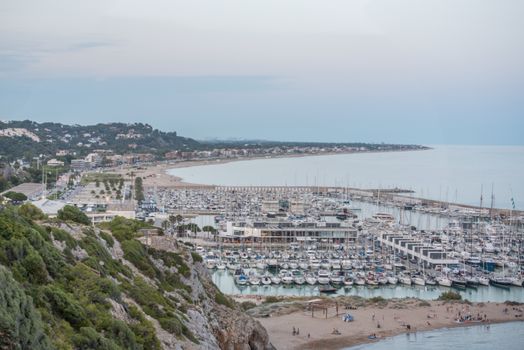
(492, 203)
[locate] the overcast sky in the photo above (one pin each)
(431, 71)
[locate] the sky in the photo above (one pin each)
(399, 71)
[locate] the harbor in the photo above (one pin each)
(338, 241)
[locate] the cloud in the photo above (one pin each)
(88, 45)
(11, 63)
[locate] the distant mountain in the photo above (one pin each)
(28, 138)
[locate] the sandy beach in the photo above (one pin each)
(156, 174)
(383, 319)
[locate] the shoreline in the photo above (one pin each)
(357, 341)
(161, 169)
(392, 315)
(157, 175)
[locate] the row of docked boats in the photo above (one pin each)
(339, 278)
(335, 269)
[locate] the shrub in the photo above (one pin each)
(272, 299)
(89, 338)
(135, 252)
(123, 229)
(15, 196)
(20, 324)
(246, 305)
(35, 267)
(98, 253)
(63, 236)
(223, 300)
(171, 259)
(196, 257)
(107, 237)
(377, 300)
(65, 305)
(72, 213)
(29, 211)
(449, 295)
(143, 330)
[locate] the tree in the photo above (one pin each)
(15, 196)
(35, 267)
(31, 212)
(21, 326)
(72, 213)
(139, 189)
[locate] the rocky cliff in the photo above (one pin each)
(107, 288)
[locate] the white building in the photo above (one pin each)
(55, 162)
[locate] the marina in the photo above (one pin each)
(341, 241)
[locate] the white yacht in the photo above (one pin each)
(418, 281)
(323, 277)
(276, 280)
(266, 280)
(444, 281)
(392, 280)
(311, 280)
(405, 280)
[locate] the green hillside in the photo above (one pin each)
(83, 139)
(69, 286)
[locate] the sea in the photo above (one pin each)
(462, 174)
(507, 336)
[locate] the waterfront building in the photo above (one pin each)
(288, 231)
(414, 248)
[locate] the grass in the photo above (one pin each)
(272, 299)
(224, 300)
(247, 305)
(196, 257)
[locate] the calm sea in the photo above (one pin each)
(454, 173)
(507, 336)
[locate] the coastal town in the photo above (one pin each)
(261, 175)
(312, 246)
(301, 235)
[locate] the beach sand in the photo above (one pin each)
(156, 175)
(385, 320)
